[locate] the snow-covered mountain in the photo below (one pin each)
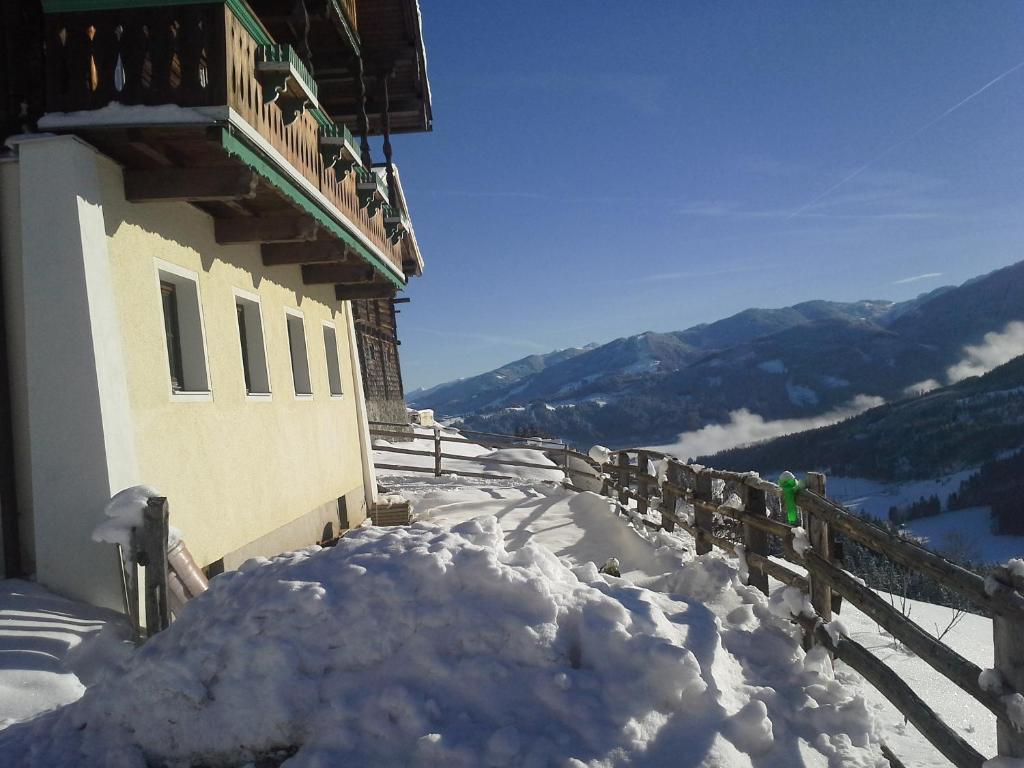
(783, 363)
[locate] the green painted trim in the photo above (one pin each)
(240, 8)
(321, 117)
(282, 53)
(238, 148)
(249, 20)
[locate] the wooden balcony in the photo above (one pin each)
(346, 40)
(202, 102)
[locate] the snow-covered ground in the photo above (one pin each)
(964, 531)
(49, 648)
(581, 527)
(967, 531)
(485, 635)
(478, 459)
(455, 642)
(874, 497)
(971, 637)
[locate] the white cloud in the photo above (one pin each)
(922, 387)
(995, 349)
(917, 278)
(745, 427)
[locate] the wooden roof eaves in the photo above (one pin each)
(239, 148)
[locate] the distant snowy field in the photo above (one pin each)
(483, 635)
(874, 498)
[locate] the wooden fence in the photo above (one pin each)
(730, 511)
(556, 450)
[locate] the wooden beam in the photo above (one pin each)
(356, 272)
(367, 291)
(188, 184)
(265, 229)
(313, 252)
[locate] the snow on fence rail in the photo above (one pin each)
(697, 499)
(558, 451)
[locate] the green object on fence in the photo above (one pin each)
(789, 485)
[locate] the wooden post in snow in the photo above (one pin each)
(703, 517)
(668, 497)
(641, 482)
(821, 542)
(755, 540)
(623, 481)
(437, 451)
(1008, 636)
(154, 549)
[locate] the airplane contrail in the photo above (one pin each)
(903, 141)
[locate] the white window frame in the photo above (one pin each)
(165, 271)
(254, 298)
(337, 360)
(290, 312)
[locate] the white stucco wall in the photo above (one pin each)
(81, 445)
(94, 411)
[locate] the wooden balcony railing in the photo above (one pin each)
(206, 56)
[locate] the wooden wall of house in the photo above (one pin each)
(376, 334)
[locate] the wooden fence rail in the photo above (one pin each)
(557, 451)
(705, 502)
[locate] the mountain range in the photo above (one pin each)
(936, 433)
(787, 363)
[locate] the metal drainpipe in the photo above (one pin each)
(363, 424)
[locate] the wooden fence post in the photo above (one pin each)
(623, 481)
(154, 548)
(703, 518)
(821, 542)
(437, 451)
(755, 540)
(668, 497)
(641, 482)
(1008, 636)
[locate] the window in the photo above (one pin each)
(251, 343)
(333, 365)
(169, 294)
(183, 330)
(297, 348)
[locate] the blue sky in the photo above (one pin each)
(601, 169)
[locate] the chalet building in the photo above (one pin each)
(200, 220)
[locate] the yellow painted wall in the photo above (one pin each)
(234, 469)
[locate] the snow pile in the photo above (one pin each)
(303, 651)
(471, 458)
(1015, 566)
(124, 513)
(494, 464)
(801, 541)
(121, 114)
(836, 631)
(430, 645)
(991, 680)
(790, 601)
(600, 454)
